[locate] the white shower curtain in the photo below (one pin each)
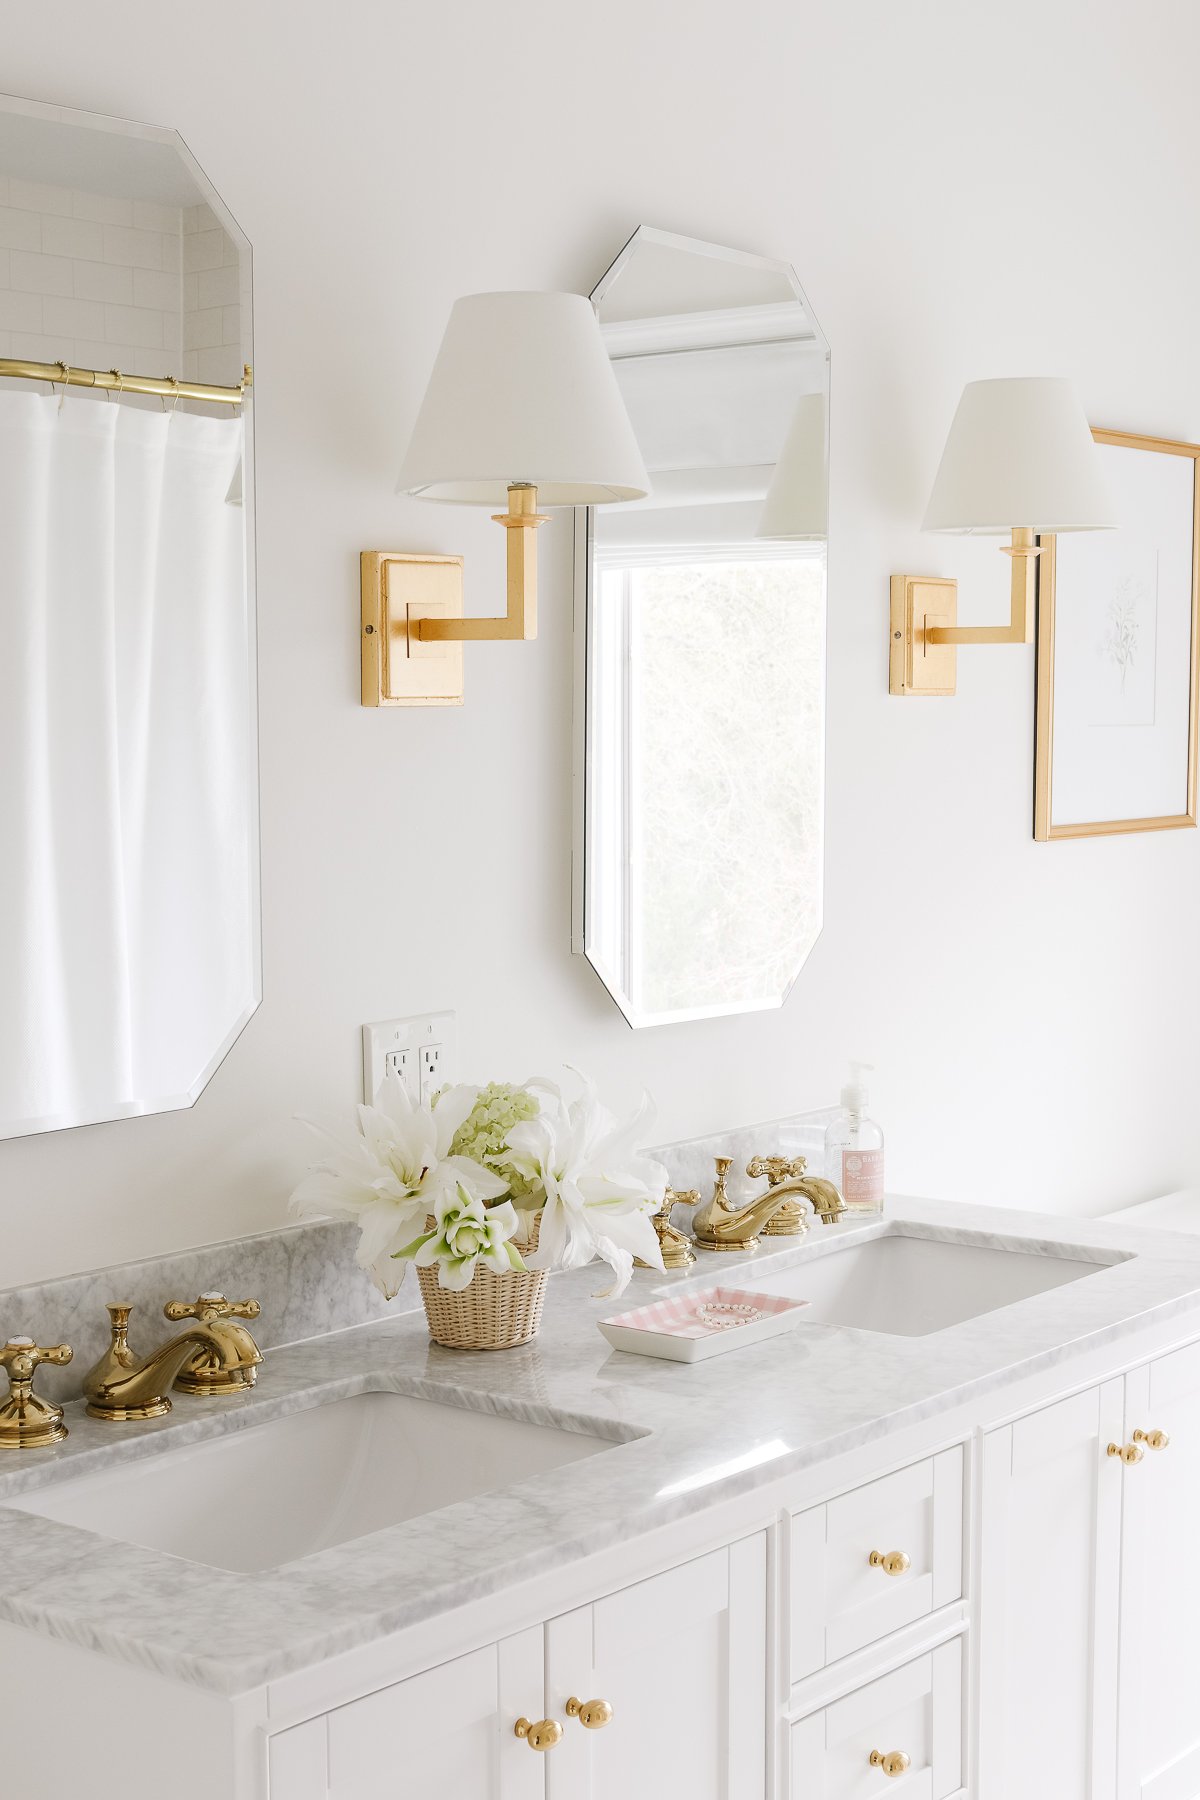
(128, 937)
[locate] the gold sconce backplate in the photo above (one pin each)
(917, 666)
(398, 667)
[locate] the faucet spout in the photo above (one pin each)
(720, 1225)
(125, 1386)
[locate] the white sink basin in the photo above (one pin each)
(906, 1285)
(268, 1494)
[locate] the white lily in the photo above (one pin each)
(465, 1234)
(600, 1190)
(390, 1176)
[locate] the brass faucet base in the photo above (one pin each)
(154, 1409)
(15, 1435)
(746, 1249)
(217, 1381)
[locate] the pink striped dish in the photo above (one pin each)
(690, 1327)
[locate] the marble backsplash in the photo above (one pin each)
(304, 1276)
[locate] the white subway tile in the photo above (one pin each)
(134, 325)
(159, 288)
(133, 249)
(72, 318)
(229, 256)
(4, 282)
(33, 347)
(148, 215)
(202, 330)
(96, 353)
(39, 274)
(20, 311)
(221, 367)
(20, 230)
(72, 237)
(5, 344)
(104, 281)
(104, 208)
(191, 368)
(191, 292)
(203, 250)
(231, 325)
(218, 287)
(199, 218)
(3, 190)
(40, 196)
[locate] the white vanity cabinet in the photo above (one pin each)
(1089, 1604)
(681, 1659)
(1159, 1674)
(1048, 1602)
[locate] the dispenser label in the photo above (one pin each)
(862, 1178)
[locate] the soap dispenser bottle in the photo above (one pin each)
(854, 1148)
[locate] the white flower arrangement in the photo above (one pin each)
(498, 1177)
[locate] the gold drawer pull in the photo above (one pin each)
(1128, 1453)
(593, 1714)
(892, 1562)
(1153, 1440)
(893, 1762)
(540, 1736)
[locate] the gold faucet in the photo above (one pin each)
(784, 1176)
(676, 1245)
(27, 1422)
(720, 1225)
(125, 1386)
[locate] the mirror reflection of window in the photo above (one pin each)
(705, 639)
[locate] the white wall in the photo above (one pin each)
(965, 191)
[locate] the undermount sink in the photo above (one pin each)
(906, 1285)
(269, 1494)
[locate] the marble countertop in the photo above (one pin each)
(685, 1437)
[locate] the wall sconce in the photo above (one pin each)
(522, 407)
(1019, 458)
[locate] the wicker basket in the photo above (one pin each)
(493, 1312)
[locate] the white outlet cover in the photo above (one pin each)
(411, 1034)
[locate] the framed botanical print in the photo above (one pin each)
(1118, 657)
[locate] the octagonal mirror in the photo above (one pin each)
(129, 917)
(700, 617)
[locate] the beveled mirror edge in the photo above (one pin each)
(168, 135)
(580, 616)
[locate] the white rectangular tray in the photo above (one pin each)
(691, 1327)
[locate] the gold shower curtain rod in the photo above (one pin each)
(113, 380)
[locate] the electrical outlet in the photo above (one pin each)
(398, 1046)
(431, 1070)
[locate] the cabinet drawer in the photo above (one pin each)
(840, 1601)
(916, 1711)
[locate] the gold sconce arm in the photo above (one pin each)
(924, 630)
(413, 627)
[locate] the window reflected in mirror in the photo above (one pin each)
(703, 614)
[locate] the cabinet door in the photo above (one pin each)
(1159, 1757)
(446, 1734)
(1049, 1597)
(682, 1661)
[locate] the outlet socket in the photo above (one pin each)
(401, 1044)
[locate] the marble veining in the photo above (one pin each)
(683, 1437)
(304, 1275)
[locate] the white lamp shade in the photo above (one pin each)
(796, 505)
(1020, 453)
(523, 391)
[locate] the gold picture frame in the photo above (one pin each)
(1045, 829)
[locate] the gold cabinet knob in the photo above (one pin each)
(892, 1762)
(594, 1714)
(892, 1562)
(542, 1735)
(1153, 1440)
(1128, 1453)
